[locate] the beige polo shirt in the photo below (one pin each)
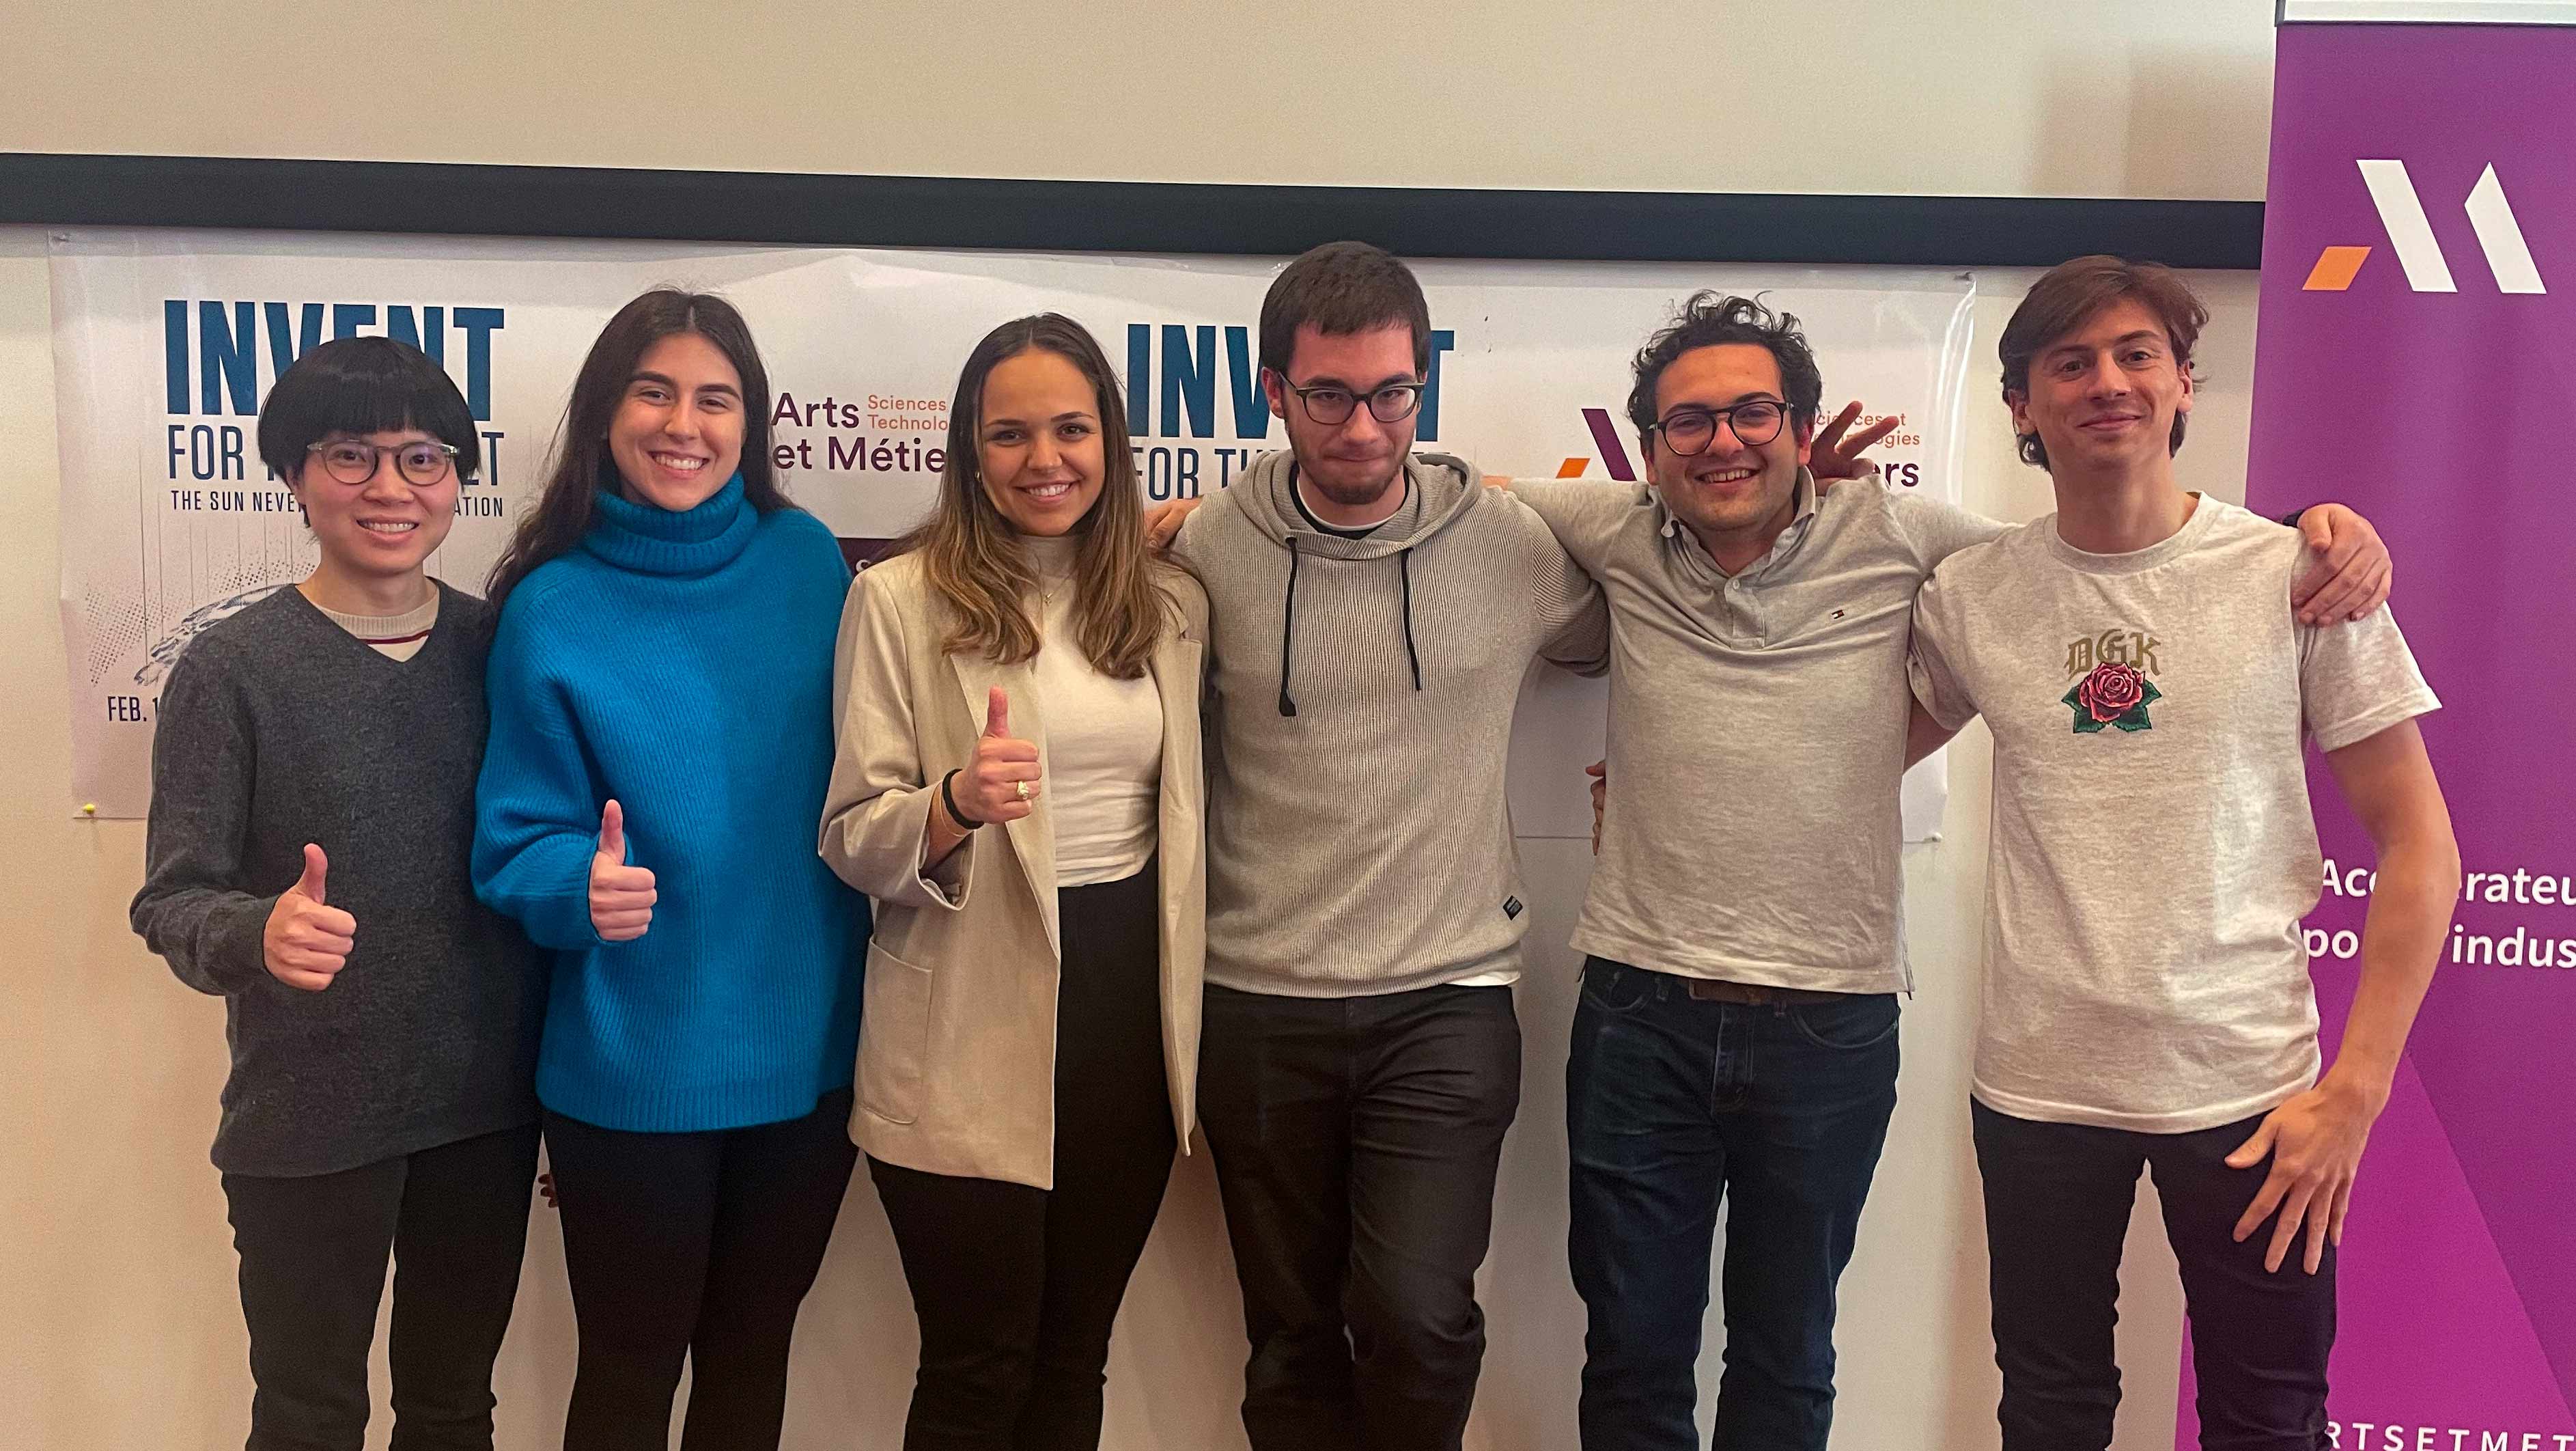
(1757, 732)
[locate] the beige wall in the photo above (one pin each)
(120, 1328)
(1977, 97)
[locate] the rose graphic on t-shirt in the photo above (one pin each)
(2112, 695)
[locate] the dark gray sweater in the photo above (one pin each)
(278, 728)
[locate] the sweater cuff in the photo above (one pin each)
(234, 951)
(562, 920)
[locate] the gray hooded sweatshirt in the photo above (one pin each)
(1358, 722)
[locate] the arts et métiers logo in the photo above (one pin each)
(2410, 233)
(219, 358)
(1899, 473)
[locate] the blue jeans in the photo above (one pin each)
(1673, 1104)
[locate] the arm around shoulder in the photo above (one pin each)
(1583, 514)
(1942, 700)
(1938, 529)
(1567, 603)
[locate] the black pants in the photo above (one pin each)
(1356, 1141)
(455, 1219)
(1016, 1288)
(695, 1247)
(2057, 1210)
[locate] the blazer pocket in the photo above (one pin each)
(894, 1036)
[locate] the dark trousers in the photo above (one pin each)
(2058, 1198)
(1016, 1288)
(455, 1220)
(697, 1248)
(1356, 1141)
(1674, 1104)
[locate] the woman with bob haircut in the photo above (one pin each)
(661, 739)
(312, 818)
(1018, 785)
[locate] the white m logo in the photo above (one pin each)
(2402, 213)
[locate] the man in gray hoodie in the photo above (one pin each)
(1373, 613)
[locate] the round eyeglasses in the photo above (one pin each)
(352, 462)
(1689, 431)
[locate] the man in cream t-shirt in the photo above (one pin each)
(2146, 999)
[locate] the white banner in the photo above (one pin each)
(165, 343)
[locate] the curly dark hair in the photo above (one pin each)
(1710, 319)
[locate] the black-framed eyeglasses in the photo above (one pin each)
(1328, 405)
(1689, 431)
(351, 462)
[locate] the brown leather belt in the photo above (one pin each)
(1710, 990)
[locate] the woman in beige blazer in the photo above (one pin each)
(1018, 785)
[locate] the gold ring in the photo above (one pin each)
(1024, 790)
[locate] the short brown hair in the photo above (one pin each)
(1343, 288)
(2069, 295)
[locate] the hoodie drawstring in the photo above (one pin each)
(1404, 566)
(1288, 629)
(1288, 623)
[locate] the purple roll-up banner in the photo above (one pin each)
(2417, 360)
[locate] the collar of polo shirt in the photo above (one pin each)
(1672, 527)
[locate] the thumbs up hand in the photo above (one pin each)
(621, 897)
(307, 942)
(1001, 783)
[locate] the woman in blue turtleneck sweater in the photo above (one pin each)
(661, 742)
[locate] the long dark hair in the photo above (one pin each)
(972, 559)
(582, 465)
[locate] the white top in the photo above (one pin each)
(2153, 846)
(397, 637)
(1104, 740)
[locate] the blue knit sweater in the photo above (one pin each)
(681, 664)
